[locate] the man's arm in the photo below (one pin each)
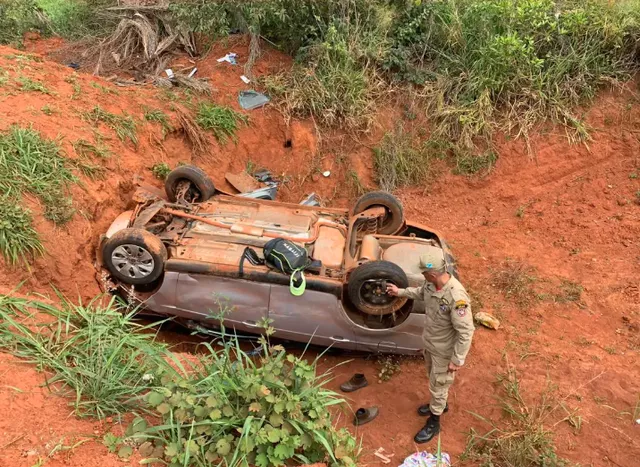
(413, 293)
(462, 321)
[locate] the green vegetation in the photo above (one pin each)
(95, 353)
(32, 164)
(223, 121)
(85, 149)
(18, 239)
(104, 89)
(158, 116)
(228, 407)
(161, 170)
(124, 125)
(522, 439)
(516, 281)
(27, 84)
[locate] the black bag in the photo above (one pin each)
(285, 256)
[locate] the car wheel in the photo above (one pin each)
(394, 217)
(134, 256)
(198, 187)
(367, 287)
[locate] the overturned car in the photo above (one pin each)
(180, 254)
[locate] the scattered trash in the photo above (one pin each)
(311, 200)
(245, 79)
(487, 320)
(243, 182)
(638, 421)
(169, 73)
(326, 173)
(230, 57)
(250, 100)
(381, 454)
(263, 175)
(193, 72)
(426, 459)
(74, 65)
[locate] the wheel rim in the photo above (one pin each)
(373, 293)
(185, 189)
(132, 261)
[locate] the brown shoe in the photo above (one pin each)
(357, 381)
(365, 415)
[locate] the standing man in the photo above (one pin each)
(448, 330)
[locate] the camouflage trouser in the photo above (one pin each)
(439, 381)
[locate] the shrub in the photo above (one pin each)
(231, 410)
(161, 170)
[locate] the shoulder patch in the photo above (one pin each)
(461, 307)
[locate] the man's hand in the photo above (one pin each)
(392, 290)
(453, 367)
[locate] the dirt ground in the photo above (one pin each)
(569, 212)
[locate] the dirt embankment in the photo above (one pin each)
(570, 213)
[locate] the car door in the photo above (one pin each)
(245, 303)
(315, 317)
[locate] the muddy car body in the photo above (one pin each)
(180, 255)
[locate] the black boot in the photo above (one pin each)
(431, 429)
(363, 416)
(356, 382)
(425, 411)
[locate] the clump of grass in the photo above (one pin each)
(73, 81)
(223, 121)
(401, 160)
(96, 353)
(29, 85)
(31, 163)
(516, 281)
(161, 170)
(569, 292)
(472, 164)
(47, 110)
(522, 439)
(86, 149)
(19, 241)
(158, 116)
(104, 89)
(356, 187)
(124, 125)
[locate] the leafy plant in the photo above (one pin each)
(388, 366)
(31, 163)
(223, 121)
(124, 125)
(228, 409)
(161, 170)
(96, 353)
(19, 241)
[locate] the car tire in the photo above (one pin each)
(365, 290)
(201, 184)
(134, 256)
(394, 218)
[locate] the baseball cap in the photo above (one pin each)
(432, 259)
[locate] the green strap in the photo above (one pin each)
(297, 291)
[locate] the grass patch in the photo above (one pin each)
(223, 121)
(399, 161)
(516, 281)
(86, 149)
(124, 125)
(73, 81)
(569, 292)
(19, 241)
(32, 164)
(521, 439)
(104, 89)
(29, 85)
(474, 164)
(158, 116)
(161, 170)
(95, 353)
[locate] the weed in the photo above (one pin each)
(569, 292)
(19, 241)
(250, 167)
(161, 170)
(27, 85)
(520, 212)
(633, 175)
(30, 163)
(387, 367)
(123, 125)
(355, 184)
(89, 169)
(583, 341)
(522, 439)
(73, 81)
(572, 418)
(47, 110)
(223, 121)
(400, 161)
(156, 115)
(104, 89)
(516, 280)
(96, 352)
(470, 164)
(610, 350)
(85, 149)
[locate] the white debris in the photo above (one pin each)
(245, 79)
(326, 173)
